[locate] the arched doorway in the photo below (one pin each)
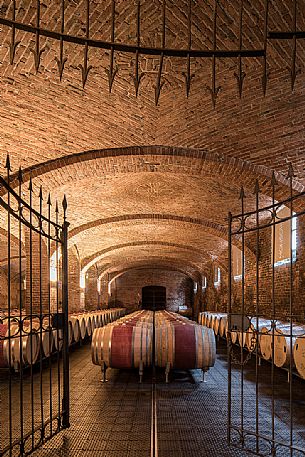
(154, 297)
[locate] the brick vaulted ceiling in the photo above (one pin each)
(132, 202)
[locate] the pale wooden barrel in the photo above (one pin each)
(82, 325)
(251, 332)
(217, 320)
(223, 326)
(45, 335)
(283, 344)
(122, 346)
(299, 355)
(185, 346)
(265, 339)
(75, 328)
(29, 347)
(5, 360)
(241, 338)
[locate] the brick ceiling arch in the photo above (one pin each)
(185, 267)
(150, 158)
(90, 261)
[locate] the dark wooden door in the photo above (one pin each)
(154, 297)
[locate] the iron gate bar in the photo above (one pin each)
(265, 70)
(290, 177)
(273, 184)
(21, 326)
(257, 192)
(66, 387)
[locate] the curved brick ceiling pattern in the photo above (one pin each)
(43, 119)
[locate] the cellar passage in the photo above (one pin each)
(154, 297)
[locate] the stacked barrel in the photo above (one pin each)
(126, 343)
(38, 338)
(179, 343)
(182, 344)
(289, 340)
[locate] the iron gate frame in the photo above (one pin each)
(55, 235)
(239, 225)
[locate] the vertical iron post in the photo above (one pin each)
(65, 311)
(229, 342)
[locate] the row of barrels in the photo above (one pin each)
(179, 342)
(24, 341)
(276, 341)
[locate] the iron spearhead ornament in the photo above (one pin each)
(56, 207)
(40, 193)
(273, 179)
(30, 184)
(64, 203)
(8, 163)
(290, 171)
(49, 200)
(256, 187)
(242, 193)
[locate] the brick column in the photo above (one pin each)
(74, 281)
(91, 293)
(40, 273)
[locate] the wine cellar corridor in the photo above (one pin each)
(152, 228)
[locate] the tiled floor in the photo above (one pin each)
(114, 419)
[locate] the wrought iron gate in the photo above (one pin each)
(34, 359)
(266, 325)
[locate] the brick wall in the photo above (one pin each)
(217, 298)
(127, 289)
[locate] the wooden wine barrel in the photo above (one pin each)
(299, 355)
(75, 328)
(45, 336)
(223, 326)
(283, 344)
(251, 332)
(241, 338)
(185, 346)
(29, 347)
(217, 321)
(5, 361)
(82, 325)
(122, 346)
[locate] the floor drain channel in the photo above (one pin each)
(154, 425)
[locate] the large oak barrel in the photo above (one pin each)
(217, 320)
(75, 328)
(184, 346)
(283, 344)
(29, 346)
(299, 355)
(122, 346)
(223, 326)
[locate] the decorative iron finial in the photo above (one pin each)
(8, 163)
(242, 193)
(65, 206)
(49, 200)
(273, 179)
(56, 207)
(40, 193)
(256, 187)
(291, 174)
